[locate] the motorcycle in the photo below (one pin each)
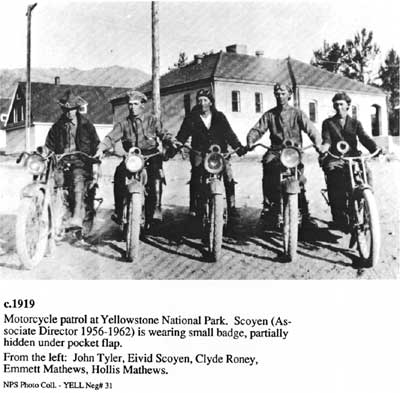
(46, 206)
(361, 210)
(290, 217)
(137, 207)
(209, 199)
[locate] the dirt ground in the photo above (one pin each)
(174, 250)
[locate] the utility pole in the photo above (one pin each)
(155, 59)
(28, 81)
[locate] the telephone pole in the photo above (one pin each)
(28, 80)
(155, 59)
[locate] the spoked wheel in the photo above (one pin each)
(290, 226)
(216, 226)
(133, 227)
(368, 231)
(32, 230)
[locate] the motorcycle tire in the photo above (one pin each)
(32, 230)
(216, 227)
(290, 227)
(368, 233)
(133, 227)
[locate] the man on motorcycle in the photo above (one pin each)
(208, 126)
(141, 130)
(283, 122)
(70, 133)
(341, 127)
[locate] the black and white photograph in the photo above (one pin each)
(199, 196)
(188, 140)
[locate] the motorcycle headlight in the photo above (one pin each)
(134, 163)
(290, 157)
(214, 163)
(35, 165)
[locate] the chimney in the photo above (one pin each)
(57, 80)
(198, 59)
(259, 53)
(237, 48)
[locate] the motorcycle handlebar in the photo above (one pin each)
(362, 157)
(81, 153)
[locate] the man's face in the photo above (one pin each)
(136, 107)
(341, 107)
(282, 96)
(204, 103)
(70, 113)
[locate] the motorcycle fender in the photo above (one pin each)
(291, 186)
(216, 187)
(135, 187)
(31, 190)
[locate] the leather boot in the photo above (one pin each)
(79, 209)
(158, 194)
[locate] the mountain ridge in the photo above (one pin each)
(115, 76)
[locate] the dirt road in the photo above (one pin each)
(173, 251)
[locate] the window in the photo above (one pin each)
(83, 109)
(312, 111)
(20, 113)
(3, 117)
(186, 103)
(259, 102)
(354, 112)
(235, 101)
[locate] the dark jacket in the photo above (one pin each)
(332, 133)
(141, 131)
(220, 132)
(86, 139)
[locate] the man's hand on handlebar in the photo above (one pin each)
(99, 154)
(242, 150)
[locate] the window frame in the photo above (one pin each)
(260, 103)
(235, 102)
(314, 118)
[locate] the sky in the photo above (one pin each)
(89, 34)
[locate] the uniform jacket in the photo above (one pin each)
(220, 132)
(86, 139)
(141, 131)
(333, 132)
(284, 123)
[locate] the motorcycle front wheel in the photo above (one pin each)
(368, 231)
(32, 230)
(133, 229)
(216, 226)
(290, 226)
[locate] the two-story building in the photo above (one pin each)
(46, 110)
(243, 88)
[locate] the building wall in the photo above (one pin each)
(242, 121)
(2, 140)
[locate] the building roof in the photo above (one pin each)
(45, 98)
(4, 107)
(243, 67)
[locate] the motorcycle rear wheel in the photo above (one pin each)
(32, 230)
(133, 227)
(216, 227)
(368, 232)
(290, 226)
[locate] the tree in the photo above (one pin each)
(182, 60)
(329, 57)
(353, 59)
(358, 56)
(389, 75)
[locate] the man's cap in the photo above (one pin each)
(280, 86)
(205, 93)
(71, 101)
(341, 96)
(134, 95)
